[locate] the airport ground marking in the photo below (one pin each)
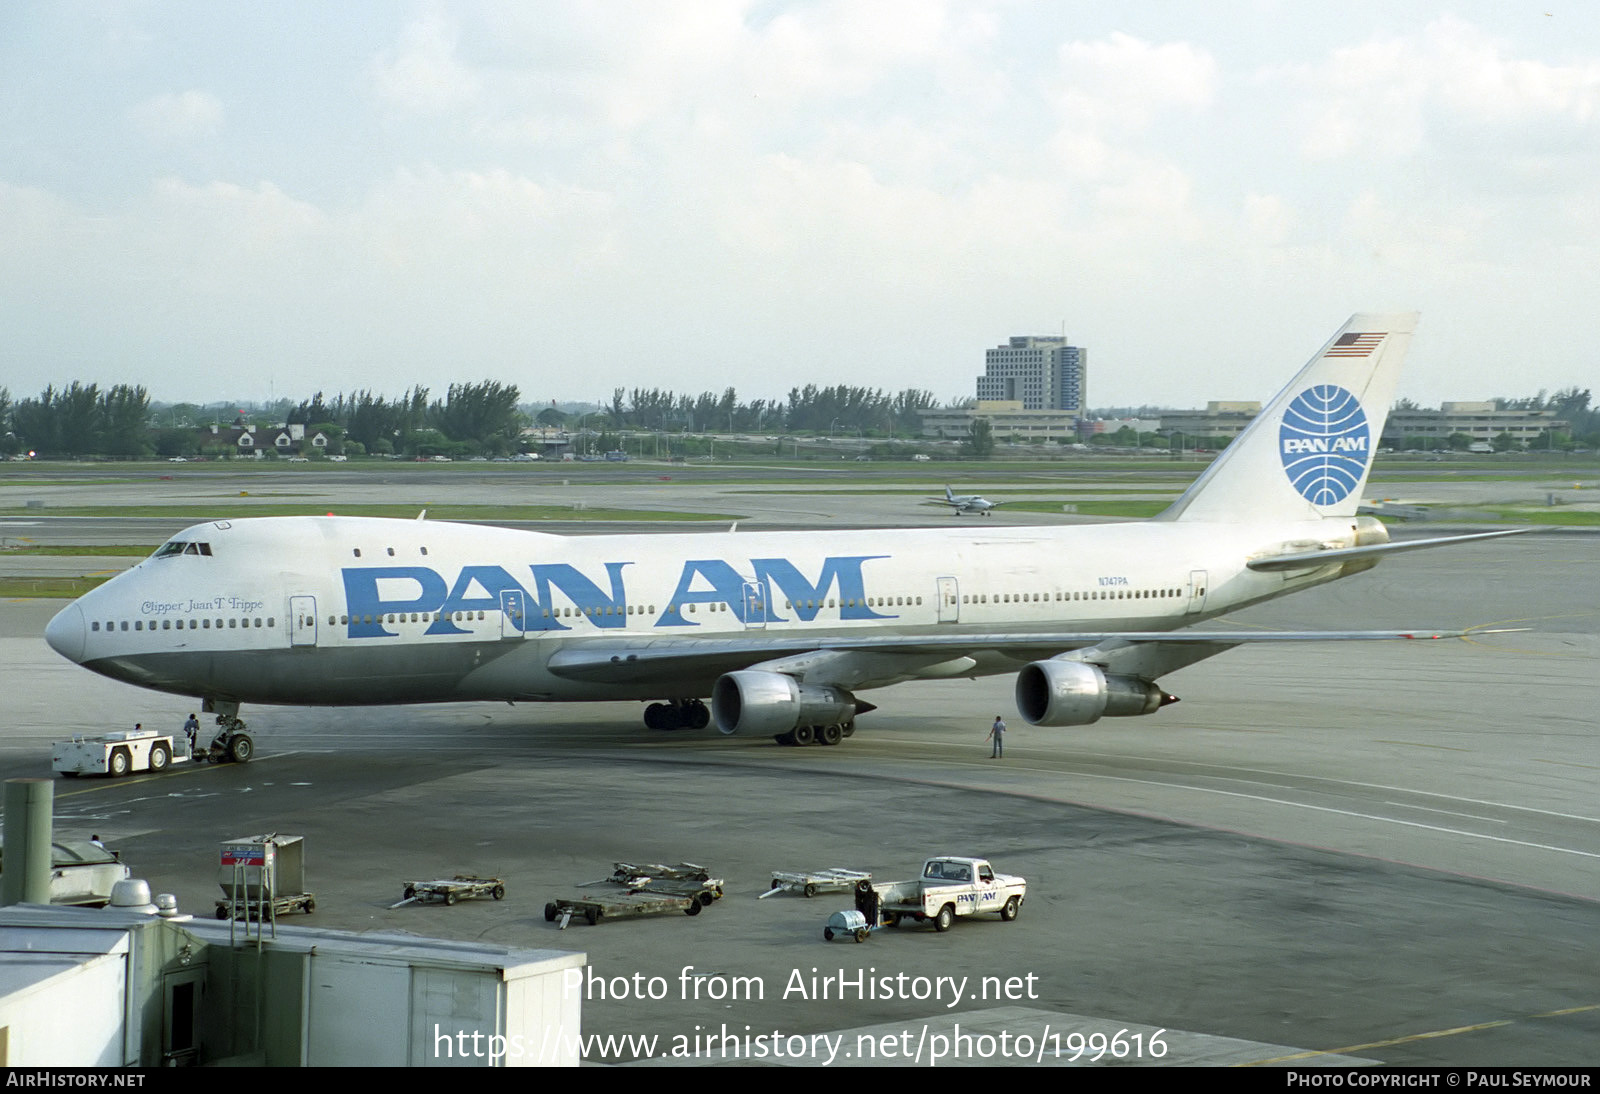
(1428, 1035)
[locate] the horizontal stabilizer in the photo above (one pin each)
(1305, 559)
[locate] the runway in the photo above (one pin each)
(1378, 851)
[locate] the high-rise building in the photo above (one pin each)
(1042, 373)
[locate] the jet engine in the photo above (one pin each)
(1073, 693)
(753, 701)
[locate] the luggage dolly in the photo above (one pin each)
(835, 879)
(452, 890)
(627, 905)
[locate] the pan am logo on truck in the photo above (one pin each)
(1324, 443)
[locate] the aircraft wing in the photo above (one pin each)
(1304, 559)
(604, 661)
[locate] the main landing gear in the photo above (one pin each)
(693, 714)
(817, 735)
(678, 714)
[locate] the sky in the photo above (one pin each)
(247, 201)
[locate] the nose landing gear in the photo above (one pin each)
(231, 743)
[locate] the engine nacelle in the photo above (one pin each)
(1073, 693)
(753, 701)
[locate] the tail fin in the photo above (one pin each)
(1308, 453)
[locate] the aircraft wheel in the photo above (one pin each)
(697, 715)
(829, 734)
(241, 748)
(804, 735)
(849, 728)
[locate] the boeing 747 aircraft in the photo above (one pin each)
(779, 630)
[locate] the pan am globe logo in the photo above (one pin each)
(1324, 442)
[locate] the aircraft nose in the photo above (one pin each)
(65, 633)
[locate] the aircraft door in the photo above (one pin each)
(514, 622)
(949, 601)
(1197, 591)
(302, 621)
(755, 605)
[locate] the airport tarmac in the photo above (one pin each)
(1378, 851)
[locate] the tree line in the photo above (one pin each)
(485, 418)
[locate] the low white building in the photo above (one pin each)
(117, 988)
(1008, 421)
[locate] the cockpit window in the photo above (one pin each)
(181, 547)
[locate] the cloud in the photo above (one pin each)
(1388, 96)
(1121, 82)
(423, 72)
(184, 116)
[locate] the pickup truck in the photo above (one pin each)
(950, 885)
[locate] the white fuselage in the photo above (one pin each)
(331, 610)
